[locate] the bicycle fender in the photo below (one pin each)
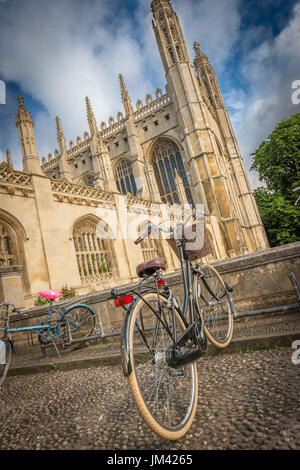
(125, 357)
(77, 305)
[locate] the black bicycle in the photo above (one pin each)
(162, 341)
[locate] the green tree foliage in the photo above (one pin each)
(277, 161)
(279, 216)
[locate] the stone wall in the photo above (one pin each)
(259, 281)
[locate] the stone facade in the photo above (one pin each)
(254, 278)
(176, 148)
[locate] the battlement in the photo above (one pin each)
(113, 127)
(151, 105)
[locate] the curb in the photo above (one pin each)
(241, 345)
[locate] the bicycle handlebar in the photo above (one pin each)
(151, 227)
(145, 235)
(14, 308)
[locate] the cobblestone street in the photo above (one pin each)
(246, 401)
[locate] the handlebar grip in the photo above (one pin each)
(142, 237)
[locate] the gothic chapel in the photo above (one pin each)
(175, 148)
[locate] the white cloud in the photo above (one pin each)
(269, 70)
(214, 24)
(59, 52)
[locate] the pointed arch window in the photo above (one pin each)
(125, 179)
(166, 159)
(94, 254)
(151, 247)
(8, 254)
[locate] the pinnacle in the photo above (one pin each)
(23, 114)
(124, 91)
(58, 122)
(21, 100)
(125, 96)
(89, 108)
(58, 127)
(158, 3)
(91, 117)
(199, 53)
(9, 159)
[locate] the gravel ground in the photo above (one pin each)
(246, 401)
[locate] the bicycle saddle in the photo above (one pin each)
(50, 294)
(145, 269)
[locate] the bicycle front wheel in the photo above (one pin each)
(5, 354)
(165, 397)
(216, 305)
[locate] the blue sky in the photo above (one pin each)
(56, 53)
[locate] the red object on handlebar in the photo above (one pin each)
(127, 299)
(161, 282)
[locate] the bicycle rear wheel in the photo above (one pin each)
(83, 321)
(216, 304)
(165, 397)
(5, 354)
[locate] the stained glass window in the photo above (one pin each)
(167, 159)
(125, 178)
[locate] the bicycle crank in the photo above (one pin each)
(189, 347)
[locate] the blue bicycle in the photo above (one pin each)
(75, 323)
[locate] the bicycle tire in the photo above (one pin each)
(216, 305)
(185, 387)
(85, 317)
(4, 367)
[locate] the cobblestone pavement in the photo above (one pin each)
(243, 328)
(246, 401)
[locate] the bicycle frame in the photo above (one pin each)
(37, 329)
(189, 305)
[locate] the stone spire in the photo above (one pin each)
(24, 123)
(156, 4)
(207, 78)
(169, 35)
(23, 115)
(64, 166)
(91, 118)
(9, 159)
(103, 172)
(60, 137)
(125, 97)
(199, 55)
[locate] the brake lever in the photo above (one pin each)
(113, 294)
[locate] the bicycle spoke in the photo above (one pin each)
(214, 302)
(166, 398)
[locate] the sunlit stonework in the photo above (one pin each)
(178, 147)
